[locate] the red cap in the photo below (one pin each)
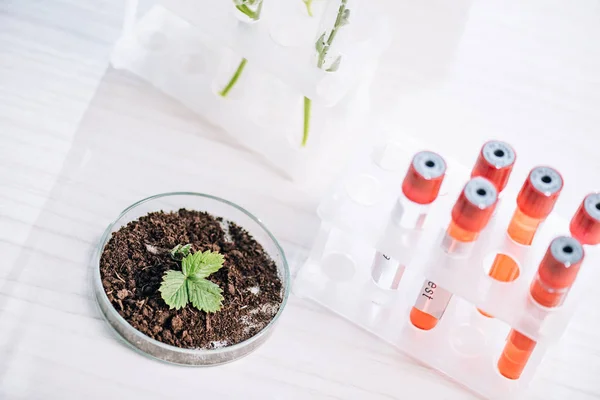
(495, 163)
(424, 177)
(540, 192)
(557, 271)
(585, 225)
(475, 205)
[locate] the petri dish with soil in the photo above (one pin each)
(136, 251)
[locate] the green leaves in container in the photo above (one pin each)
(323, 45)
(250, 8)
(178, 288)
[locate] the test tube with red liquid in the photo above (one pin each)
(535, 202)
(470, 215)
(495, 163)
(420, 187)
(585, 225)
(554, 278)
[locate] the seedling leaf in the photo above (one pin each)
(201, 265)
(179, 252)
(345, 20)
(173, 289)
(204, 294)
(179, 288)
(320, 43)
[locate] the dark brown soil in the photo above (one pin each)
(137, 256)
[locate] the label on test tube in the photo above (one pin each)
(433, 299)
(420, 187)
(386, 271)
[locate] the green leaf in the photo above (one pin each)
(204, 295)
(179, 252)
(335, 65)
(345, 20)
(320, 43)
(173, 289)
(201, 265)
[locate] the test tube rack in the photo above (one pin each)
(190, 49)
(359, 218)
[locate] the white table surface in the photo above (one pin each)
(79, 143)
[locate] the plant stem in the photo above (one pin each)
(321, 61)
(307, 108)
(308, 4)
(234, 78)
(254, 15)
(333, 33)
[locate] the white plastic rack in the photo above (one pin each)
(190, 49)
(363, 217)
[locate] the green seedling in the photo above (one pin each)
(179, 288)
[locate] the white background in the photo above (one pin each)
(78, 144)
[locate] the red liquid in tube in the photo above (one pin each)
(495, 163)
(421, 185)
(470, 214)
(554, 278)
(534, 203)
(585, 225)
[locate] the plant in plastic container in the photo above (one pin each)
(324, 59)
(251, 9)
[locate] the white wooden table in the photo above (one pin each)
(79, 143)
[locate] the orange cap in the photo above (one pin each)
(540, 192)
(585, 225)
(424, 177)
(475, 205)
(557, 271)
(495, 163)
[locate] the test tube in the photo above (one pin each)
(421, 186)
(495, 163)
(470, 215)
(554, 278)
(534, 203)
(585, 225)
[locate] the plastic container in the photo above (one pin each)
(359, 222)
(217, 207)
(282, 41)
(191, 49)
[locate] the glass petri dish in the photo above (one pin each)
(219, 208)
